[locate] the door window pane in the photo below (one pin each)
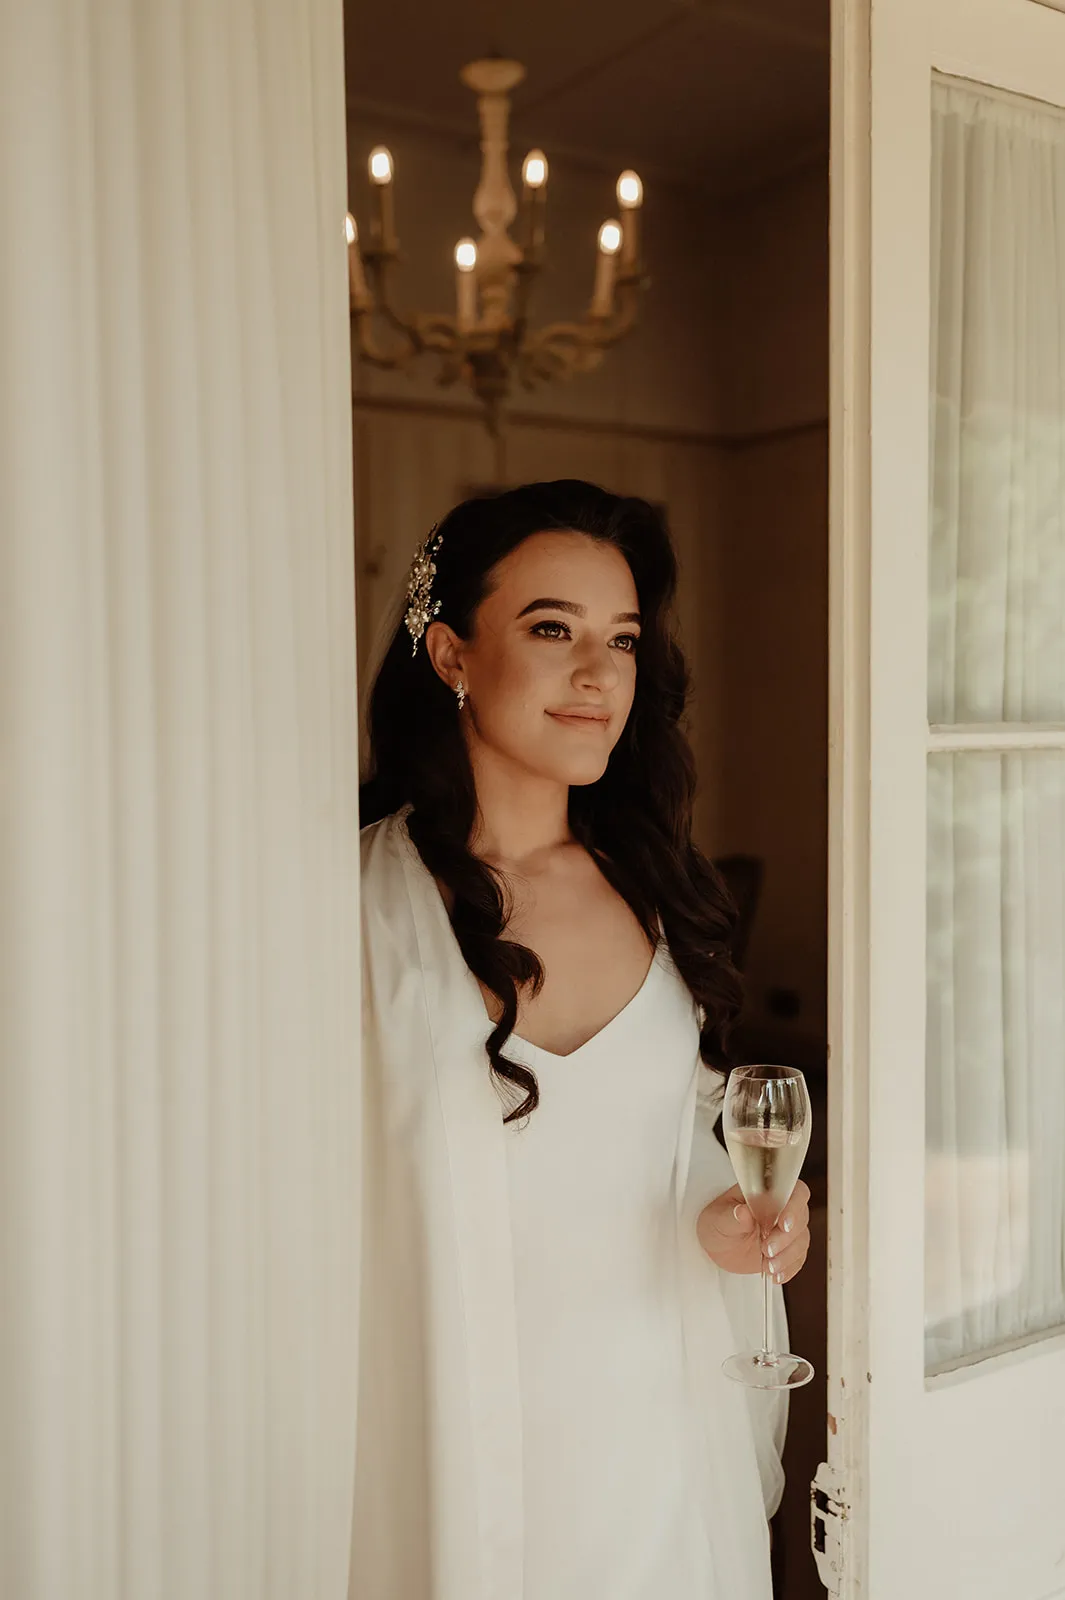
(995, 1235)
(997, 558)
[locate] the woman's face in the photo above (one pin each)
(550, 667)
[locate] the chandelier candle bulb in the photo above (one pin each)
(533, 197)
(381, 175)
(606, 270)
(358, 288)
(466, 284)
(534, 170)
(630, 199)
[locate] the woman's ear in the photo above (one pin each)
(445, 650)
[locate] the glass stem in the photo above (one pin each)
(766, 1347)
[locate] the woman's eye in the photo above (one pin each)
(550, 629)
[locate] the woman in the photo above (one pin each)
(556, 1259)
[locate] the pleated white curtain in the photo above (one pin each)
(996, 974)
(178, 787)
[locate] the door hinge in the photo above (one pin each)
(828, 1513)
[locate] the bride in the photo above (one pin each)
(555, 1257)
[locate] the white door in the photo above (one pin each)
(945, 1472)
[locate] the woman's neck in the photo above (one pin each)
(520, 816)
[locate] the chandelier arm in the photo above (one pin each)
(558, 335)
(624, 319)
(606, 331)
(567, 346)
(561, 355)
(379, 263)
(436, 331)
(570, 342)
(373, 352)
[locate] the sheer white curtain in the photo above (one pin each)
(178, 1006)
(995, 1269)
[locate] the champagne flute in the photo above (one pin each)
(766, 1122)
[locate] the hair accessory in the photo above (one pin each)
(419, 587)
(460, 691)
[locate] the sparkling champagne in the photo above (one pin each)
(766, 1123)
(767, 1163)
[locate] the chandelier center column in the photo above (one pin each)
(494, 205)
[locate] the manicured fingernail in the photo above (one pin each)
(788, 1224)
(737, 1212)
(771, 1249)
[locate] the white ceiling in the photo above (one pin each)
(719, 96)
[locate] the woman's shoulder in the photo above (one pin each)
(384, 840)
(387, 890)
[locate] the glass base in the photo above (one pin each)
(774, 1372)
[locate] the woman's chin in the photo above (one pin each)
(567, 774)
(569, 769)
(578, 774)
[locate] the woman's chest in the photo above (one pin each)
(595, 958)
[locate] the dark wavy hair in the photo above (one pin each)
(635, 821)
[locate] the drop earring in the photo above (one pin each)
(460, 693)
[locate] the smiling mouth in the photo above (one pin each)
(583, 719)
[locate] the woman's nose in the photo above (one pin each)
(596, 667)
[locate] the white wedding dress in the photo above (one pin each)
(542, 1413)
(611, 1502)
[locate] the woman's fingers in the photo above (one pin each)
(796, 1214)
(729, 1235)
(787, 1247)
(733, 1217)
(793, 1221)
(787, 1262)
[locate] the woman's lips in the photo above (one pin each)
(581, 719)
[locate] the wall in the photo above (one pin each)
(773, 566)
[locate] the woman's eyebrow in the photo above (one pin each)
(573, 610)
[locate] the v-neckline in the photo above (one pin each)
(568, 1055)
(527, 1044)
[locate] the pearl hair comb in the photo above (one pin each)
(420, 610)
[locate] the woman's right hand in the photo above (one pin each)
(730, 1236)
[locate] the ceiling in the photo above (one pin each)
(721, 97)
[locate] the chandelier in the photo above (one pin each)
(487, 341)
